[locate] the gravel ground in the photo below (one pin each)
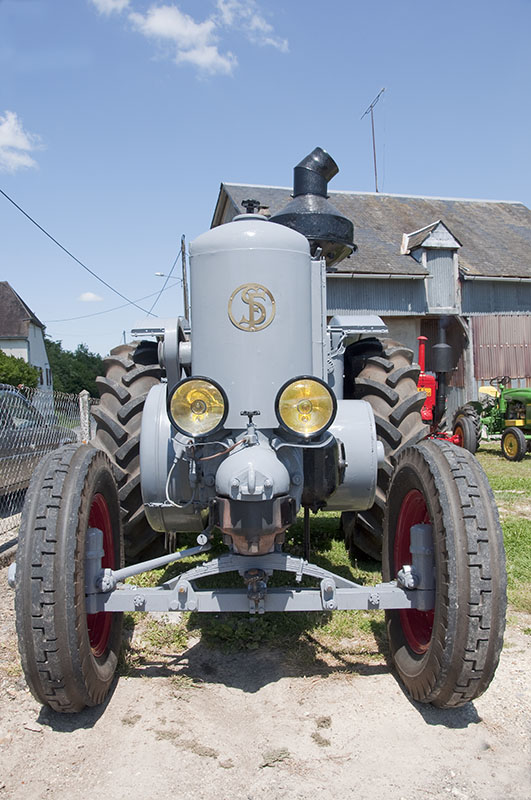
(209, 725)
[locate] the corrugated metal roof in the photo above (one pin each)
(495, 236)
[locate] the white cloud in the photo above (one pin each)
(16, 144)
(110, 6)
(246, 17)
(195, 42)
(89, 297)
(198, 42)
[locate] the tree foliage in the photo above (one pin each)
(15, 370)
(73, 371)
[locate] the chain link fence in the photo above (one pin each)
(32, 423)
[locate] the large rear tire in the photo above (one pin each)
(123, 391)
(69, 657)
(447, 656)
(388, 381)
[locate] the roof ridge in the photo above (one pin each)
(384, 194)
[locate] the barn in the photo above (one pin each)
(423, 261)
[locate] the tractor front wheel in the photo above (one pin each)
(465, 433)
(447, 656)
(469, 412)
(69, 657)
(513, 444)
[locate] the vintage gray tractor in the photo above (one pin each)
(260, 411)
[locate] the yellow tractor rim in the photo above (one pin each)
(510, 445)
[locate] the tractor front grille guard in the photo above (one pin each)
(106, 591)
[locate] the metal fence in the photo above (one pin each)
(32, 423)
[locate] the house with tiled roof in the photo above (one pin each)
(22, 333)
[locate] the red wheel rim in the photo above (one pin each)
(416, 625)
(99, 625)
(458, 436)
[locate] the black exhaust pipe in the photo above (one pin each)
(442, 358)
(311, 213)
(312, 174)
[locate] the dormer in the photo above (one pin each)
(435, 247)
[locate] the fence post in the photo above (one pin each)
(84, 415)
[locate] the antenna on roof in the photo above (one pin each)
(370, 109)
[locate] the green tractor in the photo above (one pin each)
(502, 411)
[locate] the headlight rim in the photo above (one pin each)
(212, 382)
(313, 434)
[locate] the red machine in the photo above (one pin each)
(435, 404)
(426, 383)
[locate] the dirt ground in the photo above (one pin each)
(208, 725)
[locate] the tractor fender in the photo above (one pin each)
(162, 450)
(355, 428)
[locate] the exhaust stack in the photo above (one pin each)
(311, 213)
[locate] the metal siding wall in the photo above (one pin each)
(442, 294)
(502, 346)
(376, 296)
(498, 297)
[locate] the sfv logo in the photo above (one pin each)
(251, 307)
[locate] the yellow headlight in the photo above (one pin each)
(197, 407)
(306, 406)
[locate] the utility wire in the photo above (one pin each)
(166, 281)
(108, 285)
(108, 311)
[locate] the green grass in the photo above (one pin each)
(505, 475)
(511, 483)
(308, 632)
(517, 539)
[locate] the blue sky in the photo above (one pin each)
(120, 118)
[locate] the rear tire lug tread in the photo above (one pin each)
(140, 371)
(364, 387)
(126, 404)
(401, 378)
(412, 372)
(114, 388)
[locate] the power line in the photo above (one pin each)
(108, 285)
(166, 281)
(108, 311)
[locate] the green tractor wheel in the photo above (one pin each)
(513, 444)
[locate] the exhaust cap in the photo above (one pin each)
(311, 213)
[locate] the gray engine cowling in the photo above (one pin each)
(258, 308)
(251, 329)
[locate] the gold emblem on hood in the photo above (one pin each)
(251, 307)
